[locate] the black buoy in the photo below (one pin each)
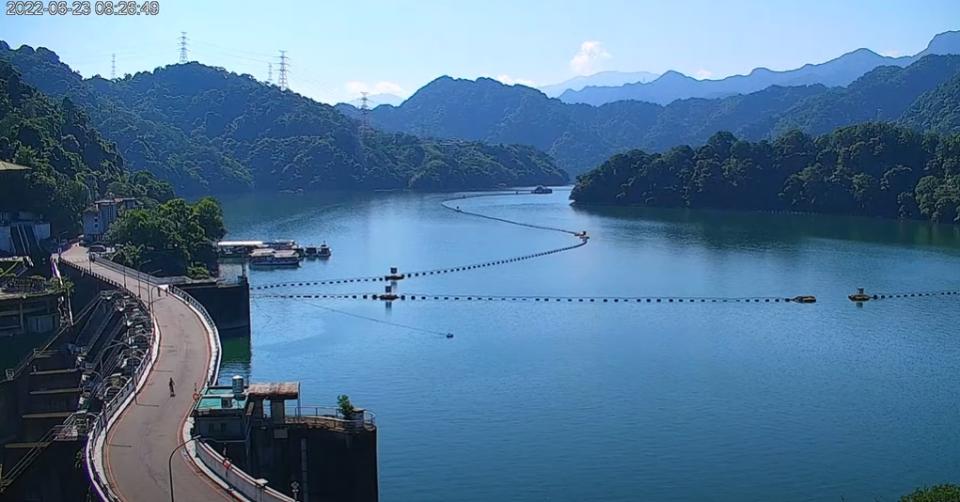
(449, 335)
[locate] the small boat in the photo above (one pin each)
(310, 251)
(324, 251)
(805, 299)
(542, 190)
(274, 258)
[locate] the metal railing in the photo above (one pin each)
(9, 476)
(255, 490)
(331, 415)
(104, 420)
(93, 450)
(213, 368)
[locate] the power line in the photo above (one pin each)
(183, 47)
(380, 321)
(262, 56)
(284, 68)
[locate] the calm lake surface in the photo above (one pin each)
(571, 402)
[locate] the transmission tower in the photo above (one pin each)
(364, 112)
(113, 66)
(183, 47)
(284, 68)
(269, 73)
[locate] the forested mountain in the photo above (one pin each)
(70, 163)
(603, 78)
(883, 94)
(937, 110)
(581, 136)
(870, 169)
(840, 71)
(207, 130)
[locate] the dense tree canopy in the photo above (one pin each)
(173, 238)
(938, 493)
(70, 163)
(873, 169)
(210, 131)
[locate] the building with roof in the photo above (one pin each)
(316, 451)
(101, 214)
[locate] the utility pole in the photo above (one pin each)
(183, 47)
(113, 66)
(284, 68)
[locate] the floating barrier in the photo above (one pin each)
(447, 204)
(393, 296)
(421, 273)
(914, 294)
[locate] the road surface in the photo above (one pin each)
(139, 444)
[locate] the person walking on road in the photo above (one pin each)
(171, 388)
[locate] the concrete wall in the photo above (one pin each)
(54, 476)
(236, 478)
(228, 304)
(340, 466)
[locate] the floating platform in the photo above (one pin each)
(860, 296)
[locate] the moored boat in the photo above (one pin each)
(274, 258)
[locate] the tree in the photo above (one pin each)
(169, 236)
(871, 169)
(210, 217)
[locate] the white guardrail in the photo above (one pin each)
(93, 451)
(214, 465)
(255, 490)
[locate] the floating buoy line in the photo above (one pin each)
(535, 298)
(391, 295)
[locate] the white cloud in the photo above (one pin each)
(893, 53)
(355, 88)
(507, 79)
(702, 74)
(587, 60)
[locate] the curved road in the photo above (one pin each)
(140, 442)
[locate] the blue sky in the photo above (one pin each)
(338, 48)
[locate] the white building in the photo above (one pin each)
(98, 217)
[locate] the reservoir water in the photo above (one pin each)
(620, 402)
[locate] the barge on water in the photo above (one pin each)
(274, 258)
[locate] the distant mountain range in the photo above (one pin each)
(673, 85)
(603, 78)
(206, 130)
(581, 136)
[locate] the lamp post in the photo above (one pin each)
(170, 463)
(149, 288)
